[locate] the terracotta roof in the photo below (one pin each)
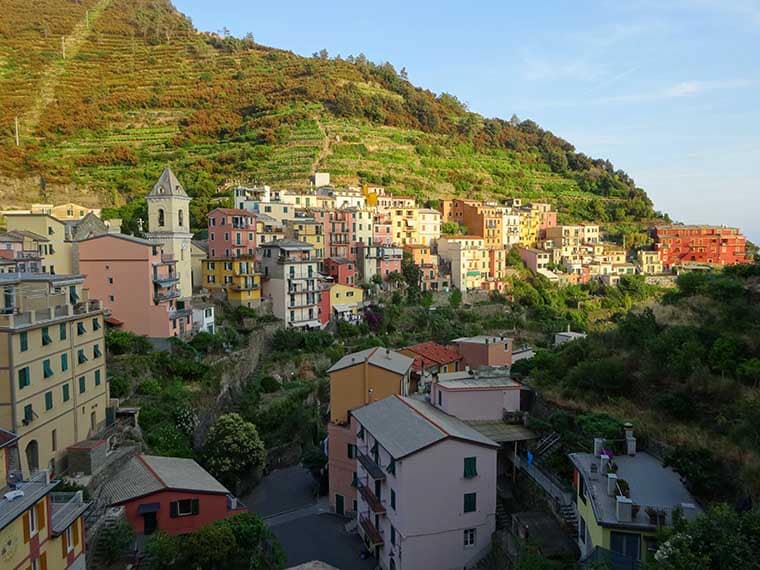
(431, 353)
(232, 212)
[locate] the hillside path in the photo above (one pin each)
(324, 151)
(49, 81)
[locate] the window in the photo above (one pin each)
(391, 468)
(46, 336)
(351, 451)
(181, 218)
(161, 217)
(97, 377)
(23, 378)
(393, 499)
(70, 539)
(48, 401)
(470, 467)
(470, 502)
(95, 324)
(111, 298)
(62, 331)
(80, 328)
(47, 370)
(469, 537)
(393, 535)
(33, 520)
(64, 362)
(81, 357)
(96, 351)
(24, 338)
(582, 530)
(581, 488)
(66, 394)
(82, 384)
(626, 544)
(440, 397)
(54, 440)
(184, 508)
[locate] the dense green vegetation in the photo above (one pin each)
(687, 371)
(140, 88)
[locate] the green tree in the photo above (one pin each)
(723, 355)
(115, 542)
(749, 372)
(455, 298)
(163, 550)
(233, 450)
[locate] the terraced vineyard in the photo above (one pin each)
(140, 88)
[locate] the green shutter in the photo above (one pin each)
(46, 336)
(28, 413)
(24, 339)
(96, 351)
(64, 362)
(66, 393)
(470, 467)
(80, 328)
(391, 468)
(470, 502)
(97, 377)
(173, 509)
(81, 356)
(95, 324)
(82, 384)
(62, 331)
(23, 378)
(47, 369)
(196, 506)
(393, 499)
(48, 400)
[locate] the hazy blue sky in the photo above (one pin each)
(669, 90)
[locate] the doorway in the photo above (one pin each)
(150, 523)
(339, 506)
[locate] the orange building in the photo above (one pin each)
(356, 380)
(717, 245)
(482, 219)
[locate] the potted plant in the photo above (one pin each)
(625, 488)
(652, 513)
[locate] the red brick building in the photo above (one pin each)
(170, 494)
(717, 245)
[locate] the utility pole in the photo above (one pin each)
(17, 142)
(63, 46)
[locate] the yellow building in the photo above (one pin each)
(415, 226)
(307, 230)
(56, 253)
(40, 529)
(236, 278)
(53, 387)
(530, 224)
(469, 258)
(346, 302)
(623, 501)
(650, 262)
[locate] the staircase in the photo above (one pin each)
(547, 444)
(570, 516)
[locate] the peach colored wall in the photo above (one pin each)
(472, 404)
(493, 354)
(340, 468)
(130, 266)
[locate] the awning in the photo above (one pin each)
(146, 508)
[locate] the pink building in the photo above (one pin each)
(137, 282)
(231, 233)
(479, 351)
(476, 395)
(427, 485)
(342, 270)
(340, 234)
(382, 233)
(534, 259)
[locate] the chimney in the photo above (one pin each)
(630, 440)
(598, 446)
(604, 464)
(623, 509)
(612, 484)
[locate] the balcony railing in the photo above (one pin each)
(372, 500)
(89, 306)
(283, 259)
(166, 296)
(373, 535)
(65, 507)
(180, 313)
(370, 466)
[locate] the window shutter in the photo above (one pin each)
(41, 519)
(173, 509)
(75, 528)
(64, 546)
(25, 523)
(196, 506)
(43, 561)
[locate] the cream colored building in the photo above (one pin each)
(650, 262)
(469, 258)
(169, 225)
(413, 226)
(53, 387)
(56, 253)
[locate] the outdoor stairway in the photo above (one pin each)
(547, 444)
(502, 518)
(568, 514)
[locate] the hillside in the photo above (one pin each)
(140, 87)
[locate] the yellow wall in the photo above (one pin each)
(339, 295)
(53, 230)
(349, 388)
(230, 275)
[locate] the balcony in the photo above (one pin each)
(244, 287)
(66, 508)
(372, 468)
(180, 313)
(165, 281)
(373, 536)
(166, 296)
(285, 260)
(374, 503)
(89, 306)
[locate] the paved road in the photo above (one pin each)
(321, 537)
(282, 491)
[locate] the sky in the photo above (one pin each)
(668, 90)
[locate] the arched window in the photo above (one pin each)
(32, 456)
(181, 217)
(161, 217)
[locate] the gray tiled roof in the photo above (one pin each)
(167, 185)
(147, 474)
(288, 244)
(377, 356)
(32, 491)
(404, 426)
